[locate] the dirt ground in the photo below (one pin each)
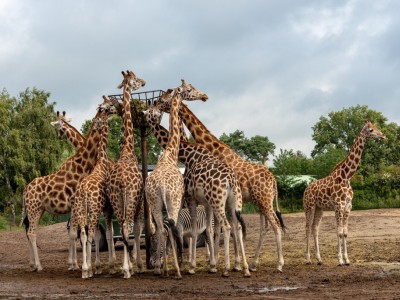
(373, 250)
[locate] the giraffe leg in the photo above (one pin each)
(91, 235)
(345, 232)
(73, 235)
(309, 212)
(339, 222)
(97, 236)
(239, 234)
(213, 241)
(227, 233)
(110, 243)
(125, 265)
(175, 256)
(85, 269)
(318, 213)
(34, 261)
(263, 232)
(137, 232)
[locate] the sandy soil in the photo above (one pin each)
(373, 250)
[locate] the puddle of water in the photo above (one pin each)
(274, 289)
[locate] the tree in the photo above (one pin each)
(324, 163)
(256, 149)
(289, 162)
(29, 147)
(236, 141)
(340, 129)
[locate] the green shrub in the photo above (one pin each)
(3, 223)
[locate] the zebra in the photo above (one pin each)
(184, 227)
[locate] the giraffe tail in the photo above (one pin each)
(278, 212)
(26, 224)
(242, 223)
(170, 223)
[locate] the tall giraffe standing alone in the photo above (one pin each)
(90, 200)
(335, 192)
(52, 193)
(125, 183)
(211, 183)
(256, 181)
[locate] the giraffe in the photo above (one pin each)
(256, 181)
(165, 187)
(52, 193)
(125, 183)
(211, 183)
(90, 199)
(65, 128)
(334, 192)
(78, 140)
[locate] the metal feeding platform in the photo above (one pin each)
(140, 101)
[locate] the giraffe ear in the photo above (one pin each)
(58, 113)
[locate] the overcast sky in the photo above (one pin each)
(270, 68)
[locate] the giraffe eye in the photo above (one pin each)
(370, 130)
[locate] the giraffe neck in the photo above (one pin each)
(188, 154)
(204, 137)
(172, 147)
(348, 167)
(73, 135)
(103, 143)
(85, 158)
(127, 118)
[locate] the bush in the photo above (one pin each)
(3, 223)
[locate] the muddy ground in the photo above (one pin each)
(374, 250)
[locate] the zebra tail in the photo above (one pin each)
(242, 223)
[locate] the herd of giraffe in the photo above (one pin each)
(89, 183)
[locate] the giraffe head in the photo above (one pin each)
(187, 92)
(107, 107)
(131, 80)
(152, 114)
(369, 130)
(59, 124)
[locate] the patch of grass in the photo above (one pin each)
(250, 208)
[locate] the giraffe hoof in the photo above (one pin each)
(246, 273)
(191, 272)
(225, 274)
(213, 270)
(320, 263)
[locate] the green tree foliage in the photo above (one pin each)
(340, 129)
(29, 146)
(289, 162)
(256, 149)
(325, 162)
(236, 141)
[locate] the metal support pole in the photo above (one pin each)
(143, 146)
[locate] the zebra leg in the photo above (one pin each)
(193, 219)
